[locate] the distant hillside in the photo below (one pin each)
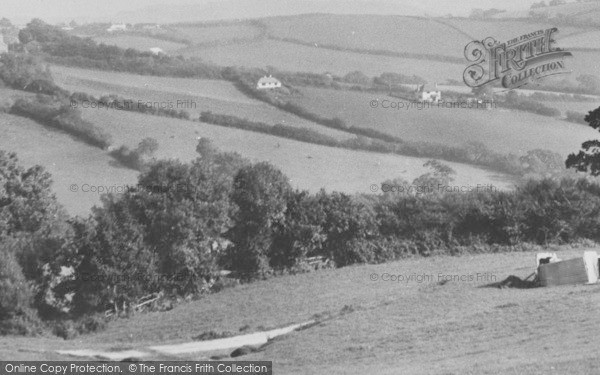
(232, 9)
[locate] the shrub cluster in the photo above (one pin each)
(122, 104)
(138, 157)
(521, 102)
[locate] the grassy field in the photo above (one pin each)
(293, 57)
(139, 42)
(572, 9)
(583, 107)
(308, 166)
(504, 30)
(68, 160)
(500, 129)
(207, 34)
(384, 327)
(216, 96)
(393, 33)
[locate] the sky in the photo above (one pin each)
(21, 11)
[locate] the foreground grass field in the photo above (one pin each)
(383, 327)
(502, 130)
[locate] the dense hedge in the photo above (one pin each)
(521, 102)
(61, 116)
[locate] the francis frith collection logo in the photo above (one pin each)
(515, 63)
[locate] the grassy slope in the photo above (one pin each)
(293, 57)
(500, 129)
(589, 39)
(388, 327)
(68, 160)
(393, 33)
(403, 34)
(308, 166)
(505, 30)
(216, 96)
(215, 33)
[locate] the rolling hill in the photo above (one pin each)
(308, 166)
(502, 130)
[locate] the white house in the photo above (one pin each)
(428, 93)
(157, 50)
(117, 27)
(269, 82)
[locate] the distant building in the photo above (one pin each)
(3, 46)
(428, 93)
(117, 27)
(66, 28)
(157, 50)
(151, 27)
(269, 82)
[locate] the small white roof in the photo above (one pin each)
(269, 79)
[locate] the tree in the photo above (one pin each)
(16, 297)
(434, 182)
(32, 223)
(300, 234)
(260, 192)
(588, 159)
(346, 223)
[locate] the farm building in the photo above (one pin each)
(269, 82)
(157, 50)
(117, 27)
(428, 93)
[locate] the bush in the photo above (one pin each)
(260, 193)
(16, 299)
(138, 158)
(521, 102)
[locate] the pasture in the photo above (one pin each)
(69, 160)
(392, 33)
(416, 326)
(502, 130)
(208, 95)
(299, 58)
(308, 166)
(203, 34)
(589, 39)
(504, 30)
